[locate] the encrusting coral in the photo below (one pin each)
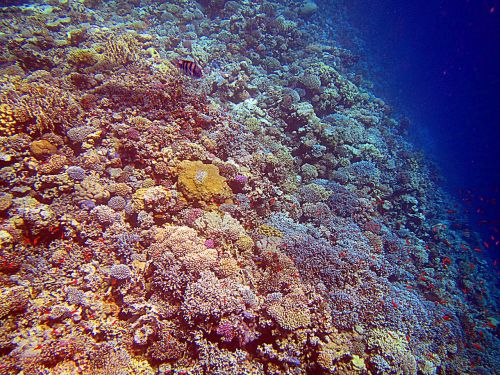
(202, 183)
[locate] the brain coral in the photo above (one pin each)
(202, 182)
(90, 189)
(120, 272)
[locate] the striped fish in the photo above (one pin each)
(190, 68)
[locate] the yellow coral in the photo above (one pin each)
(7, 121)
(5, 201)
(151, 198)
(119, 188)
(53, 165)
(245, 243)
(82, 57)
(90, 189)
(358, 364)
(325, 359)
(138, 199)
(202, 183)
(227, 267)
(291, 312)
(42, 148)
(122, 49)
(393, 346)
(148, 182)
(40, 107)
(269, 231)
(155, 55)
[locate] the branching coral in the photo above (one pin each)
(40, 107)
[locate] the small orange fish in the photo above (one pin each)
(490, 324)
(477, 346)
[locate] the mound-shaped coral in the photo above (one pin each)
(202, 184)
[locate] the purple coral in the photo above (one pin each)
(210, 244)
(226, 331)
(241, 179)
(76, 173)
(120, 272)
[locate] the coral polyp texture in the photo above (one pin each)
(269, 217)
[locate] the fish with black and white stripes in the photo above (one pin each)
(190, 68)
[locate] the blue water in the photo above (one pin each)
(438, 64)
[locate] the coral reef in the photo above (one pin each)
(267, 218)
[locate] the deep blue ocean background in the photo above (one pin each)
(438, 64)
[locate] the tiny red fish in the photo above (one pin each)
(477, 346)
